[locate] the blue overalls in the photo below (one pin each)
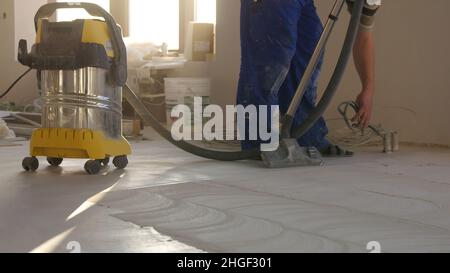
(278, 38)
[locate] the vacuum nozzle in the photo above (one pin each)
(290, 154)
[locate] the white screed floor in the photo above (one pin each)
(170, 201)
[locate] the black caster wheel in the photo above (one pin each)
(55, 162)
(93, 167)
(104, 162)
(120, 162)
(30, 164)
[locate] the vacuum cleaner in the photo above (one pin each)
(82, 71)
(81, 67)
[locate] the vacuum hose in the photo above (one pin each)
(338, 73)
(146, 115)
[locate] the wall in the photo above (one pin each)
(225, 70)
(18, 13)
(413, 85)
(412, 70)
(119, 9)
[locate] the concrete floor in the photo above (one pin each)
(170, 201)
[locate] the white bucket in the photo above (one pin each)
(182, 91)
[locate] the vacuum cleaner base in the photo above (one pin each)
(59, 144)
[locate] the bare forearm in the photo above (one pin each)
(364, 56)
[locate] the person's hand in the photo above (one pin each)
(365, 103)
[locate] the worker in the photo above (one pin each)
(278, 38)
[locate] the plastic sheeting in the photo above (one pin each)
(5, 132)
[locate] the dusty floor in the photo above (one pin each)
(169, 201)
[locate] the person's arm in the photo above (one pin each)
(364, 56)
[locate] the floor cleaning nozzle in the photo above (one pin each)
(291, 154)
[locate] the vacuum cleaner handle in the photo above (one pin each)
(49, 9)
(119, 67)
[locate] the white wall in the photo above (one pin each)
(413, 63)
(17, 25)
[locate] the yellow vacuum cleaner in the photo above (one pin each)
(81, 67)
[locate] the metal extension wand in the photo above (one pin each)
(303, 86)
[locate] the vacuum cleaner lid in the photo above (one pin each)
(72, 45)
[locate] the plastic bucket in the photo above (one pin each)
(181, 91)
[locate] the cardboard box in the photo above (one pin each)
(199, 42)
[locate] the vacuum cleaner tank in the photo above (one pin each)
(82, 99)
